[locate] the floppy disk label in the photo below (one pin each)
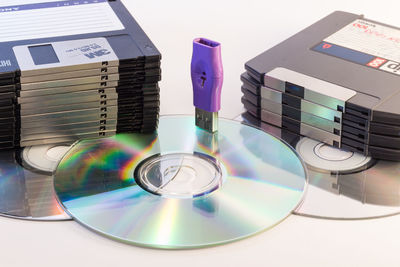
(366, 43)
(25, 20)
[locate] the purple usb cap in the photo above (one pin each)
(207, 74)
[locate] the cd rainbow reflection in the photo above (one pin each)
(95, 182)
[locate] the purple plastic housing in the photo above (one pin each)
(207, 74)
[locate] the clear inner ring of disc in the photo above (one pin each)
(179, 175)
(44, 157)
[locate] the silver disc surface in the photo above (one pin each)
(342, 184)
(26, 184)
(181, 187)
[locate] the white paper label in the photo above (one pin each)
(370, 38)
(380, 42)
(54, 19)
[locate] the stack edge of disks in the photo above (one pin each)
(331, 82)
(289, 111)
(74, 88)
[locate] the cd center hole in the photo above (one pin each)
(179, 175)
(332, 153)
(57, 152)
(182, 174)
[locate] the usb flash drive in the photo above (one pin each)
(207, 78)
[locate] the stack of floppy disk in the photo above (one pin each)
(336, 81)
(94, 76)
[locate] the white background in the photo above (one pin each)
(245, 29)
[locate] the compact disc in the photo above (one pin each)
(342, 184)
(181, 187)
(27, 192)
(44, 157)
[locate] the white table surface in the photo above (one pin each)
(245, 29)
